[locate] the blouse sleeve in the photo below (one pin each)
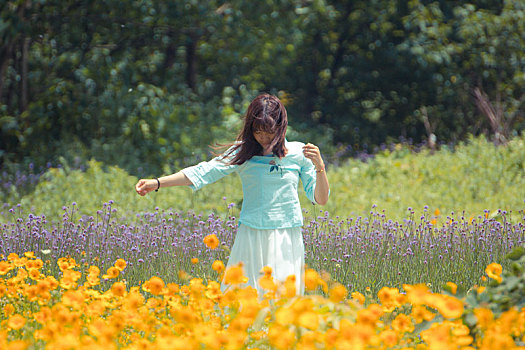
(308, 178)
(209, 172)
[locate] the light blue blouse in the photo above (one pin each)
(269, 185)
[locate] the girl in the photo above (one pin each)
(269, 232)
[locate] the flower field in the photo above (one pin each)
(431, 282)
(435, 266)
(73, 312)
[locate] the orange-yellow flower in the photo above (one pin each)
(9, 309)
(360, 298)
(447, 306)
(484, 317)
(93, 271)
(420, 313)
(235, 275)
(452, 286)
(389, 338)
(417, 293)
(338, 293)
(494, 271)
(16, 322)
(290, 289)
(211, 241)
(370, 315)
(218, 266)
(195, 261)
(5, 267)
(120, 264)
(73, 298)
(308, 320)
(402, 324)
(112, 272)
(389, 297)
(281, 337)
(266, 282)
(155, 285)
(311, 280)
(118, 289)
(12, 256)
(34, 274)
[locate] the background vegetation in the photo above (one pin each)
(474, 177)
(150, 84)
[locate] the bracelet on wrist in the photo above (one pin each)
(158, 184)
(319, 170)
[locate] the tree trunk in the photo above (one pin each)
(5, 56)
(191, 63)
(24, 88)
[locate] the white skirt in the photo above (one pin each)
(280, 249)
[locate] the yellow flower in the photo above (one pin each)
(5, 267)
(453, 287)
(155, 285)
(420, 313)
(34, 274)
(484, 317)
(267, 271)
(118, 289)
(93, 280)
(447, 306)
(211, 241)
(338, 293)
(290, 290)
(235, 275)
(266, 282)
(74, 299)
(389, 297)
(195, 261)
(16, 322)
(370, 315)
(112, 272)
(93, 271)
(9, 309)
(12, 256)
(281, 337)
(308, 320)
(388, 337)
(417, 294)
(402, 324)
(437, 212)
(66, 263)
(494, 271)
(218, 266)
(120, 264)
(360, 298)
(311, 280)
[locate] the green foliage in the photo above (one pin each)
(99, 184)
(474, 177)
(152, 83)
(502, 296)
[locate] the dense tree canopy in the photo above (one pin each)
(149, 83)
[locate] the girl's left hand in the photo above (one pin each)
(312, 152)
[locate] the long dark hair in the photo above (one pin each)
(266, 113)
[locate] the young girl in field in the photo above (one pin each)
(269, 232)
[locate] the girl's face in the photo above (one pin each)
(265, 139)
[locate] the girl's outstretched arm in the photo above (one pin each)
(145, 186)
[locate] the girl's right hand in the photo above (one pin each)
(145, 186)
